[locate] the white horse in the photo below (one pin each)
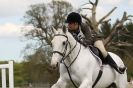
(82, 64)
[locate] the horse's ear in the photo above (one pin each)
(53, 30)
(64, 29)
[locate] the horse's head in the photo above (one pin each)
(59, 44)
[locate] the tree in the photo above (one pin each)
(38, 17)
(122, 43)
(95, 24)
(60, 10)
(117, 37)
(41, 16)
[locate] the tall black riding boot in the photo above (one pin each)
(112, 63)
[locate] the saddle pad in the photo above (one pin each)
(96, 52)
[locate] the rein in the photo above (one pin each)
(67, 67)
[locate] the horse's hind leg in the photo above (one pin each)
(60, 84)
(122, 81)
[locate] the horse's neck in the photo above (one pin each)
(77, 49)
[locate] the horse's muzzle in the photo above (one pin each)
(54, 66)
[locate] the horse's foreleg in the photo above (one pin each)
(86, 83)
(60, 84)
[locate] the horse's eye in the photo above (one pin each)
(64, 43)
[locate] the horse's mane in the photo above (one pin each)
(67, 33)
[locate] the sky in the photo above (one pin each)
(12, 23)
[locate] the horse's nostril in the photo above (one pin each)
(57, 64)
(54, 67)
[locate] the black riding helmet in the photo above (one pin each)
(74, 17)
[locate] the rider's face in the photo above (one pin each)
(73, 26)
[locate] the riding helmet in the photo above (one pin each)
(74, 17)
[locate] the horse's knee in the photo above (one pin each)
(60, 84)
(54, 86)
(86, 84)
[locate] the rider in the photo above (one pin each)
(87, 36)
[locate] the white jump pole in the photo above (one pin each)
(11, 75)
(3, 78)
(3, 67)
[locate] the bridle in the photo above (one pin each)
(64, 56)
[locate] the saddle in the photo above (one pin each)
(98, 53)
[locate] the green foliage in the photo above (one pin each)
(18, 74)
(37, 68)
(105, 29)
(129, 36)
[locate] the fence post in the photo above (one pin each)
(3, 67)
(3, 77)
(11, 76)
